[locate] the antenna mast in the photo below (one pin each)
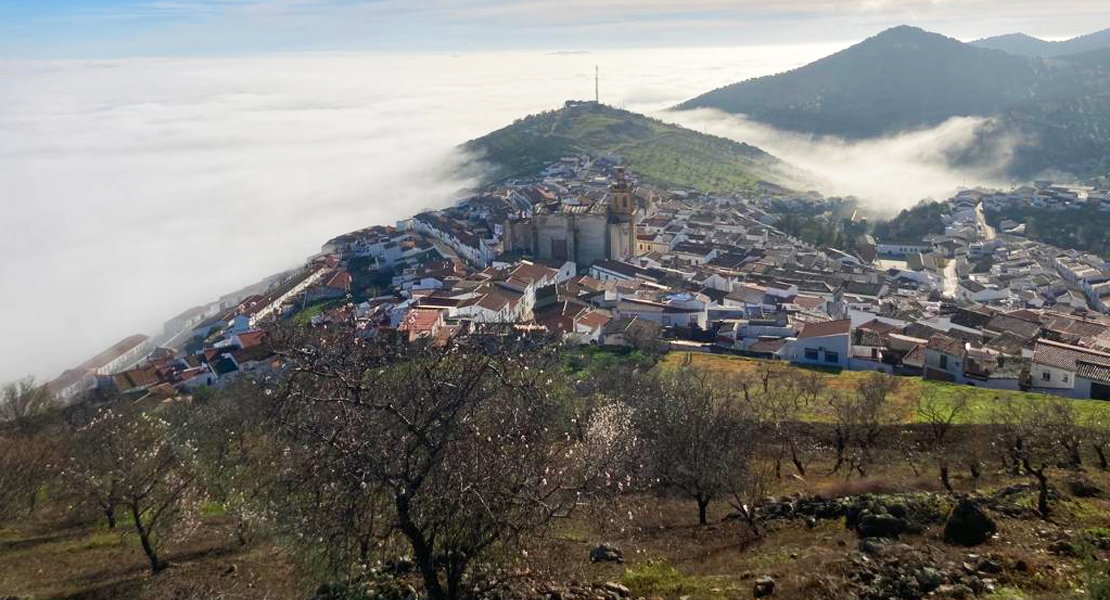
(597, 85)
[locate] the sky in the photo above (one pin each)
(156, 155)
(131, 28)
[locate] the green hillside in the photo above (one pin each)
(661, 153)
(906, 78)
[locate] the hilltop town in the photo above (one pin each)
(585, 251)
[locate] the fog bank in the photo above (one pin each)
(888, 174)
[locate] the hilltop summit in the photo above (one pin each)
(662, 153)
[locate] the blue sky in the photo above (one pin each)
(130, 28)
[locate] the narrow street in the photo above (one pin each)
(985, 231)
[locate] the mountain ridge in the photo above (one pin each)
(861, 92)
(1027, 45)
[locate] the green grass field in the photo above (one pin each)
(980, 400)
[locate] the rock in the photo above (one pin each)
(885, 526)
(992, 567)
(606, 553)
(616, 588)
(1062, 548)
(1082, 487)
(811, 522)
(968, 525)
(870, 546)
(764, 586)
(1021, 566)
(929, 579)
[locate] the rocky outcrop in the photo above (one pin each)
(968, 524)
(764, 586)
(606, 553)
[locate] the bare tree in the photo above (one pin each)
(23, 400)
(778, 397)
(450, 449)
(940, 415)
(860, 418)
(234, 451)
(27, 464)
(694, 435)
(1027, 439)
(1096, 429)
(133, 462)
(1060, 421)
(750, 480)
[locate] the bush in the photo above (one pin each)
(659, 578)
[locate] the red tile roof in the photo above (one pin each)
(1065, 356)
(341, 280)
(826, 329)
(420, 320)
(947, 345)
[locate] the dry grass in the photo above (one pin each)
(90, 562)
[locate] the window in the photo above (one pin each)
(811, 354)
(1065, 378)
(944, 361)
(1046, 376)
(831, 357)
(874, 353)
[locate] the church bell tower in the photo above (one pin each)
(622, 217)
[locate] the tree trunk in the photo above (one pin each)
(944, 479)
(703, 503)
(973, 467)
(1101, 452)
(798, 464)
(157, 565)
(1042, 487)
(913, 466)
(455, 570)
(1075, 458)
(110, 513)
(422, 553)
(241, 532)
(841, 446)
(1042, 494)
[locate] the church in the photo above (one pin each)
(586, 233)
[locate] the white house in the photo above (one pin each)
(825, 344)
(1069, 370)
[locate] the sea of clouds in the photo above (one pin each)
(131, 190)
